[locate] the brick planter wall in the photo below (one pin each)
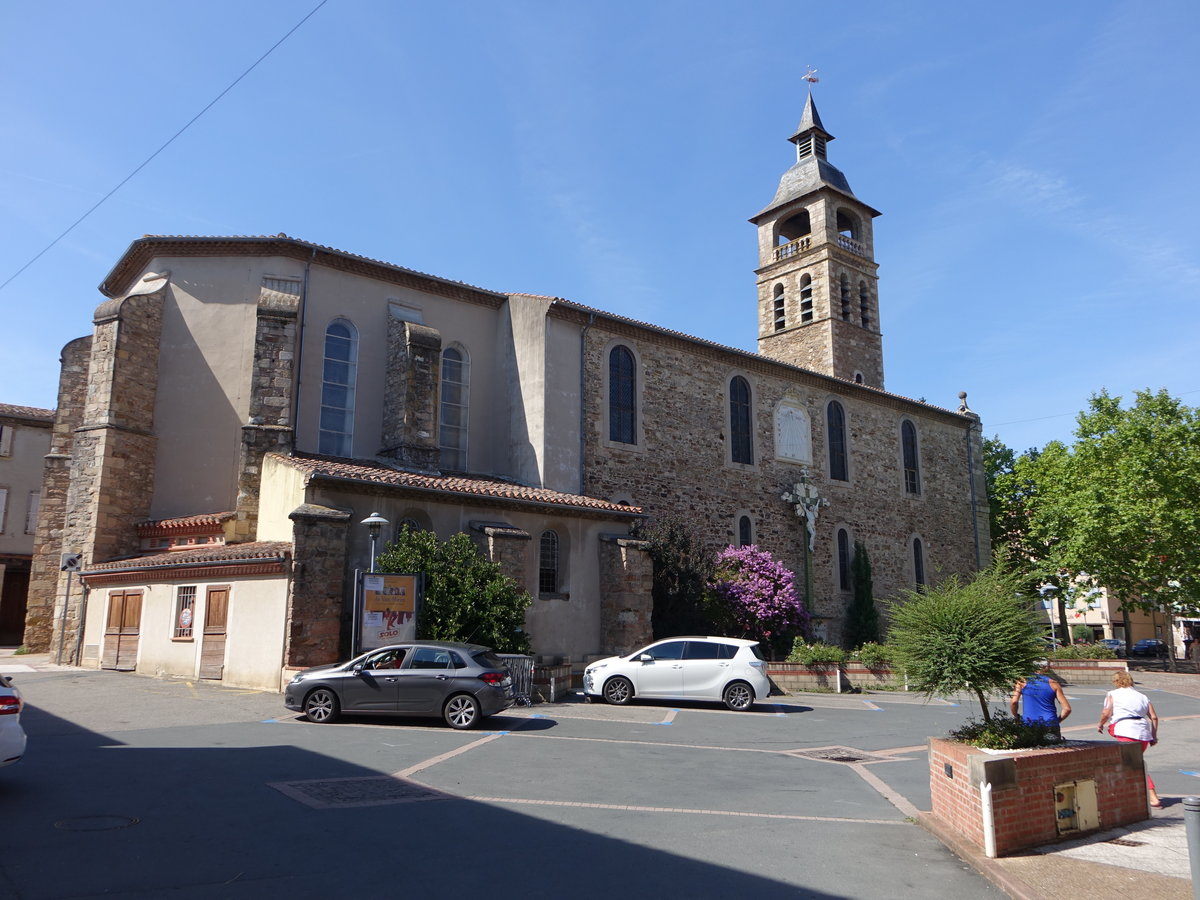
(551, 682)
(1023, 795)
(866, 678)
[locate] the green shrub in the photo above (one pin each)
(873, 656)
(816, 654)
(1082, 651)
(1004, 732)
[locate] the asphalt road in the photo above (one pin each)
(134, 787)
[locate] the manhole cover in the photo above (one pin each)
(844, 758)
(336, 793)
(1125, 842)
(839, 755)
(96, 823)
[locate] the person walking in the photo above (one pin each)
(1131, 718)
(1041, 693)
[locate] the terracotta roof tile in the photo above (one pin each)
(26, 412)
(373, 472)
(222, 553)
(212, 519)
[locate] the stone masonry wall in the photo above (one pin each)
(410, 414)
(682, 468)
(317, 617)
(52, 508)
(626, 579)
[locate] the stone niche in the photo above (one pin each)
(1006, 801)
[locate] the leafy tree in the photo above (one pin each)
(466, 597)
(1122, 503)
(682, 570)
(760, 595)
(862, 617)
(979, 635)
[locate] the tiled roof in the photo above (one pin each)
(218, 554)
(372, 472)
(26, 412)
(212, 520)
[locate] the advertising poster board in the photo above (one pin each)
(389, 609)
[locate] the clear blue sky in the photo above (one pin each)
(1035, 164)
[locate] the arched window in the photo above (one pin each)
(835, 420)
(847, 224)
(864, 304)
(780, 312)
(794, 227)
(843, 559)
(806, 299)
(548, 563)
(741, 443)
(745, 532)
(845, 291)
(912, 463)
(622, 396)
(918, 563)
(340, 372)
(453, 415)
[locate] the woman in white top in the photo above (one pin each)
(1133, 719)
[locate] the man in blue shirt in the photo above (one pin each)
(1041, 692)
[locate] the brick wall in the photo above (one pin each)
(1023, 782)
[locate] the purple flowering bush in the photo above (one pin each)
(760, 595)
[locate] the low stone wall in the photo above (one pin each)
(1028, 803)
(879, 677)
(551, 682)
(1087, 671)
(789, 677)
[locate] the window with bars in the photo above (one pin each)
(742, 442)
(185, 612)
(918, 562)
(835, 419)
(843, 559)
(780, 311)
(548, 563)
(622, 396)
(912, 464)
(845, 290)
(864, 304)
(455, 409)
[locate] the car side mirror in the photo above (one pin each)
(357, 670)
(645, 657)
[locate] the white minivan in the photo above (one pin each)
(731, 670)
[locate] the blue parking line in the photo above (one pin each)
(871, 706)
(269, 722)
(1186, 772)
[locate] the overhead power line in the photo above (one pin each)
(167, 144)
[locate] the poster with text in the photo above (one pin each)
(389, 610)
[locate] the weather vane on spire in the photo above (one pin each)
(811, 75)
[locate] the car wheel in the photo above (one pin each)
(461, 711)
(618, 691)
(321, 706)
(738, 696)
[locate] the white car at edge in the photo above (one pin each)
(731, 670)
(12, 735)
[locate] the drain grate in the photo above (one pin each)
(96, 823)
(340, 793)
(1125, 842)
(840, 755)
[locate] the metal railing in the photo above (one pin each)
(520, 669)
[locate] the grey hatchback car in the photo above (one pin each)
(462, 683)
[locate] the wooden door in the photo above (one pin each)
(212, 651)
(121, 631)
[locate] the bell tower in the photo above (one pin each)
(818, 298)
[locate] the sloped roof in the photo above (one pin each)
(217, 554)
(32, 413)
(457, 486)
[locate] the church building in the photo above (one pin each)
(244, 403)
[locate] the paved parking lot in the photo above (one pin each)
(136, 787)
(153, 788)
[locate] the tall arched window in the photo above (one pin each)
(912, 463)
(455, 408)
(745, 531)
(864, 304)
(918, 563)
(843, 559)
(622, 396)
(741, 446)
(780, 312)
(806, 299)
(835, 420)
(548, 563)
(339, 374)
(845, 290)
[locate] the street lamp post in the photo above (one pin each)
(374, 523)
